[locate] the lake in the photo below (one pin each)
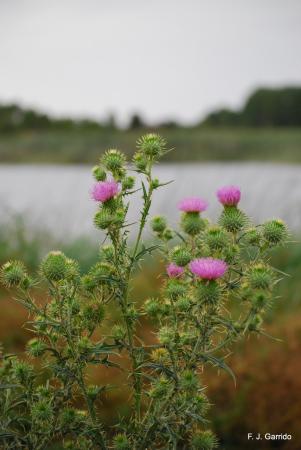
(56, 198)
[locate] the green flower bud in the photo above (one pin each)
(167, 234)
(42, 411)
(260, 276)
(180, 256)
(232, 219)
(166, 336)
(256, 322)
(189, 381)
(201, 404)
(121, 442)
(260, 301)
(174, 288)
(140, 162)
(104, 219)
(128, 183)
(231, 253)
(183, 304)
(160, 355)
(131, 313)
(36, 347)
(158, 224)
(118, 333)
(216, 238)
(275, 231)
(98, 173)
(204, 440)
(92, 392)
(68, 417)
(54, 267)
(113, 160)
(192, 223)
(152, 307)
(208, 292)
(187, 338)
(155, 183)
(84, 345)
(23, 371)
(252, 236)
(93, 313)
(101, 272)
(160, 388)
(12, 273)
(152, 145)
(107, 253)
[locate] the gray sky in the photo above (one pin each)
(162, 58)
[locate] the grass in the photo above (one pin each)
(192, 144)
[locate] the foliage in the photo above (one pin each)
(210, 268)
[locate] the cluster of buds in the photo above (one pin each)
(210, 269)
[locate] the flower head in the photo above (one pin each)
(174, 271)
(229, 195)
(208, 268)
(192, 204)
(104, 190)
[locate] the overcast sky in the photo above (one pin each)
(162, 58)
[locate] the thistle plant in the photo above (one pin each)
(216, 286)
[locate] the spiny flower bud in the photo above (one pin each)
(98, 173)
(36, 347)
(187, 337)
(54, 266)
(160, 355)
(275, 231)
(128, 183)
(101, 272)
(107, 252)
(252, 236)
(42, 411)
(255, 323)
(167, 234)
(23, 371)
(216, 238)
(209, 292)
(189, 380)
(12, 273)
(158, 224)
(121, 442)
(160, 388)
(175, 288)
(140, 162)
(183, 304)
(113, 160)
(231, 253)
(180, 256)
(260, 276)
(118, 332)
(155, 183)
(201, 404)
(192, 223)
(152, 307)
(204, 440)
(68, 417)
(166, 336)
(260, 301)
(232, 219)
(152, 145)
(92, 392)
(104, 219)
(84, 345)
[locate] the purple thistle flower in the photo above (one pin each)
(104, 190)
(229, 195)
(192, 204)
(208, 268)
(174, 271)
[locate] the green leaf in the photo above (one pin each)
(219, 363)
